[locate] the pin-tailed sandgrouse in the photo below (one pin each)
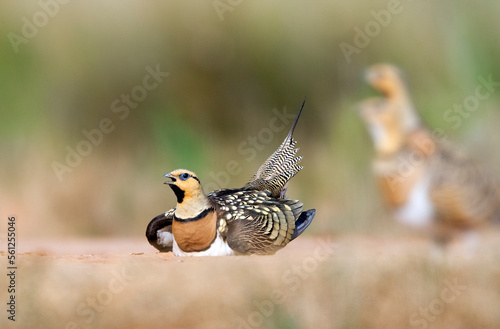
(426, 182)
(254, 219)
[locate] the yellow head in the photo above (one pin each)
(185, 185)
(387, 79)
(382, 121)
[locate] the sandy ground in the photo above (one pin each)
(321, 282)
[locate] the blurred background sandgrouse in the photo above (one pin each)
(254, 219)
(426, 183)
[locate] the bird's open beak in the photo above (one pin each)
(173, 179)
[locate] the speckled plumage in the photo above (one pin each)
(279, 168)
(262, 224)
(254, 219)
(426, 182)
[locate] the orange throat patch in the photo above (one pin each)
(195, 235)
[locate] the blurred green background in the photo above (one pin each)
(229, 66)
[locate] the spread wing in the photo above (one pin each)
(255, 223)
(159, 231)
(279, 168)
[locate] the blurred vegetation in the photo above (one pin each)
(225, 77)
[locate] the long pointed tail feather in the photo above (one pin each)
(289, 138)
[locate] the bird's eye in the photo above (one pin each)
(184, 176)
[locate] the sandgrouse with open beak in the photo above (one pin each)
(254, 219)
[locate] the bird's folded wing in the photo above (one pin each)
(255, 222)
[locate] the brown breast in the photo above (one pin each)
(407, 168)
(195, 235)
(395, 189)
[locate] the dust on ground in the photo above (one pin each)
(321, 282)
